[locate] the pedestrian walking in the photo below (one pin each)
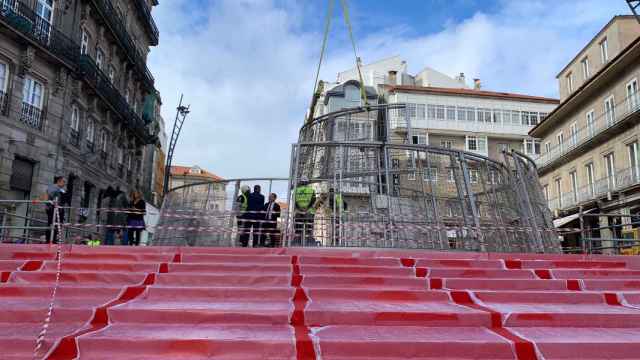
(305, 199)
(135, 220)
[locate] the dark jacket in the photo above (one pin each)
(256, 202)
(138, 211)
(275, 212)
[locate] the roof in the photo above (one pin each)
(472, 93)
(338, 90)
(177, 170)
(587, 83)
(613, 19)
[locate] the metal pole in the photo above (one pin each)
(388, 176)
(583, 233)
(4, 224)
(472, 202)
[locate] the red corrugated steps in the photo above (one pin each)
(298, 304)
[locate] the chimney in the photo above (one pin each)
(477, 85)
(392, 78)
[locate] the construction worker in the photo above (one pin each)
(305, 198)
(243, 217)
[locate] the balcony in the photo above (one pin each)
(149, 23)
(24, 20)
(32, 116)
(105, 89)
(398, 121)
(113, 21)
(620, 181)
(604, 124)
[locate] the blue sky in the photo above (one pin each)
(247, 66)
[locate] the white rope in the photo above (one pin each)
(47, 320)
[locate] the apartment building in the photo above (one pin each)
(76, 97)
(590, 149)
(212, 197)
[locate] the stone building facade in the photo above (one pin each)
(77, 98)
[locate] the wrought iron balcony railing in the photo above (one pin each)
(23, 19)
(113, 20)
(4, 103)
(32, 116)
(91, 146)
(150, 24)
(103, 87)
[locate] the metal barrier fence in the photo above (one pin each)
(373, 190)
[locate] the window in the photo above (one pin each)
(4, 72)
(430, 174)
(120, 156)
(112, 73)
(462, 113)
(104, 139)
(570, 82)
(44, 19)
(633, 159)
(91, 129)
(632, 95)
(543, 116)
(585, 68)
(515, 117)
(411, 176)
(126, 95)
(451, 113)
(497, 116)
(129, 161)
(525, 118)
(448, 144)
(477, 143)
(99, 58)
(545, 188)
(559, 191)
(591, 124)
(604, 50)
(609, 111)
(431, 112)
(609, 162)
(547, 147)
(451, 175)
(560, 138)
(421, 111)
(532, 147)
(84, 42)
(503, 147)
(474, 175)
(574, 186)
(573, 134)
(411, 110)
(439, 112)
(471, 114)
(75, 118)
(419, 140)
(32, 92)
(590, 178)
(484, 115)
(352, 93)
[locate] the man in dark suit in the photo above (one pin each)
(270, 226)
(255, 214)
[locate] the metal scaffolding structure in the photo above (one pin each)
(392, 194)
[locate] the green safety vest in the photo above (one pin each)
(304, 194)
(338, 199)
(93, 243)
(245, 202)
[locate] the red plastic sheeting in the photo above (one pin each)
(218, 303)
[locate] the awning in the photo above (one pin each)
(567, 219)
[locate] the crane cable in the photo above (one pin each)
(345, 13)
(327, 29)
(325, 39)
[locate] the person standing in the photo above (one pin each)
(243, 217)
(135, 220)
(55, 193)
(305, 199)
(121, 216)
(270, 225)
(255, 207)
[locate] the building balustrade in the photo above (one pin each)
(606, 120)
(149, 23)
(32, 116)
(103, 87)
(621, 180)
(23, 19)
(114, 21)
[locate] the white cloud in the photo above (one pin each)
(247, 66)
